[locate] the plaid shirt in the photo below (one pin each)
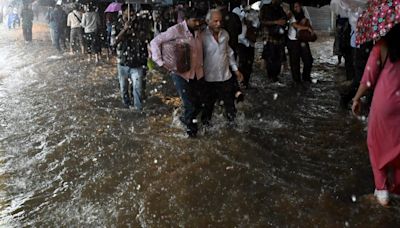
(271, 13)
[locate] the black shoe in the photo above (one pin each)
(182, 119)
(126, 105)
(191, 134)
(239, 96)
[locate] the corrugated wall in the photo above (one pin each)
(321, 18)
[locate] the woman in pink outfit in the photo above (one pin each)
(382, 74)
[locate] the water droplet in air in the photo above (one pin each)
(275, 96)
(353, 198)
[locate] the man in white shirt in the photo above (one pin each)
(218, 57)
(74, 21)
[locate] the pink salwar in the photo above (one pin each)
(384, 120)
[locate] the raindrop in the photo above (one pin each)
(346, 224)
(314, 81)
(155, 161)
(353, 198)
(275, 96)
(194, 120)
(368, 83)
(94, 159)
(368, 68)
(138, 187)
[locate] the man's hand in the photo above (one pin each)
(239, 76)
(162, 69)
(280, 22)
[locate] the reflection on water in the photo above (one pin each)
(71, 156)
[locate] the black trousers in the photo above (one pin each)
(272, 54)
(349, 63)
(246, 59)
(300, 51)
(223, 91)
(360, 59)
(27, 32)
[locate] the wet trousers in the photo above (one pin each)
(55, 38)
(220, 91)
(272, 54)
(27, 32)
(136, 76)
(360, 58)
(246, 59)
(349, 63)
(191, 94)
(388, 177)
(300, 51)
(76, 39)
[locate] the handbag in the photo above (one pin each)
(306, 36)
(182, 57)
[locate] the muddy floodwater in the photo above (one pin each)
(72, 156)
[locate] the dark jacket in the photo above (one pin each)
(132, 50)
(273, 12)
(27, 17)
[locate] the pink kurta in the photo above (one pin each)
(384, 119)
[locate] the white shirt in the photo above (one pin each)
(72, 20)
(218, 56)
(90, 21)
(292, 33)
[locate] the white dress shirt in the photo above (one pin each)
(218, 56)
(72, 20)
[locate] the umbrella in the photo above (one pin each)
(376, 21)
(113, 7)
(314, 3)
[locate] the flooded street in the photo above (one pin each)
(70, 155)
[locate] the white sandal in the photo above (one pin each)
(382, 196)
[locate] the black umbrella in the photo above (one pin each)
(314, 3)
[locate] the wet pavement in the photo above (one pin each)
(70, 154)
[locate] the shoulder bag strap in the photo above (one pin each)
(77, 17)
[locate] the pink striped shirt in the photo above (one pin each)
(181, 31)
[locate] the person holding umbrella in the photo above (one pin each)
(132, 37)
(382, 74)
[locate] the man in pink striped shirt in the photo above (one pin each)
(189, 84)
